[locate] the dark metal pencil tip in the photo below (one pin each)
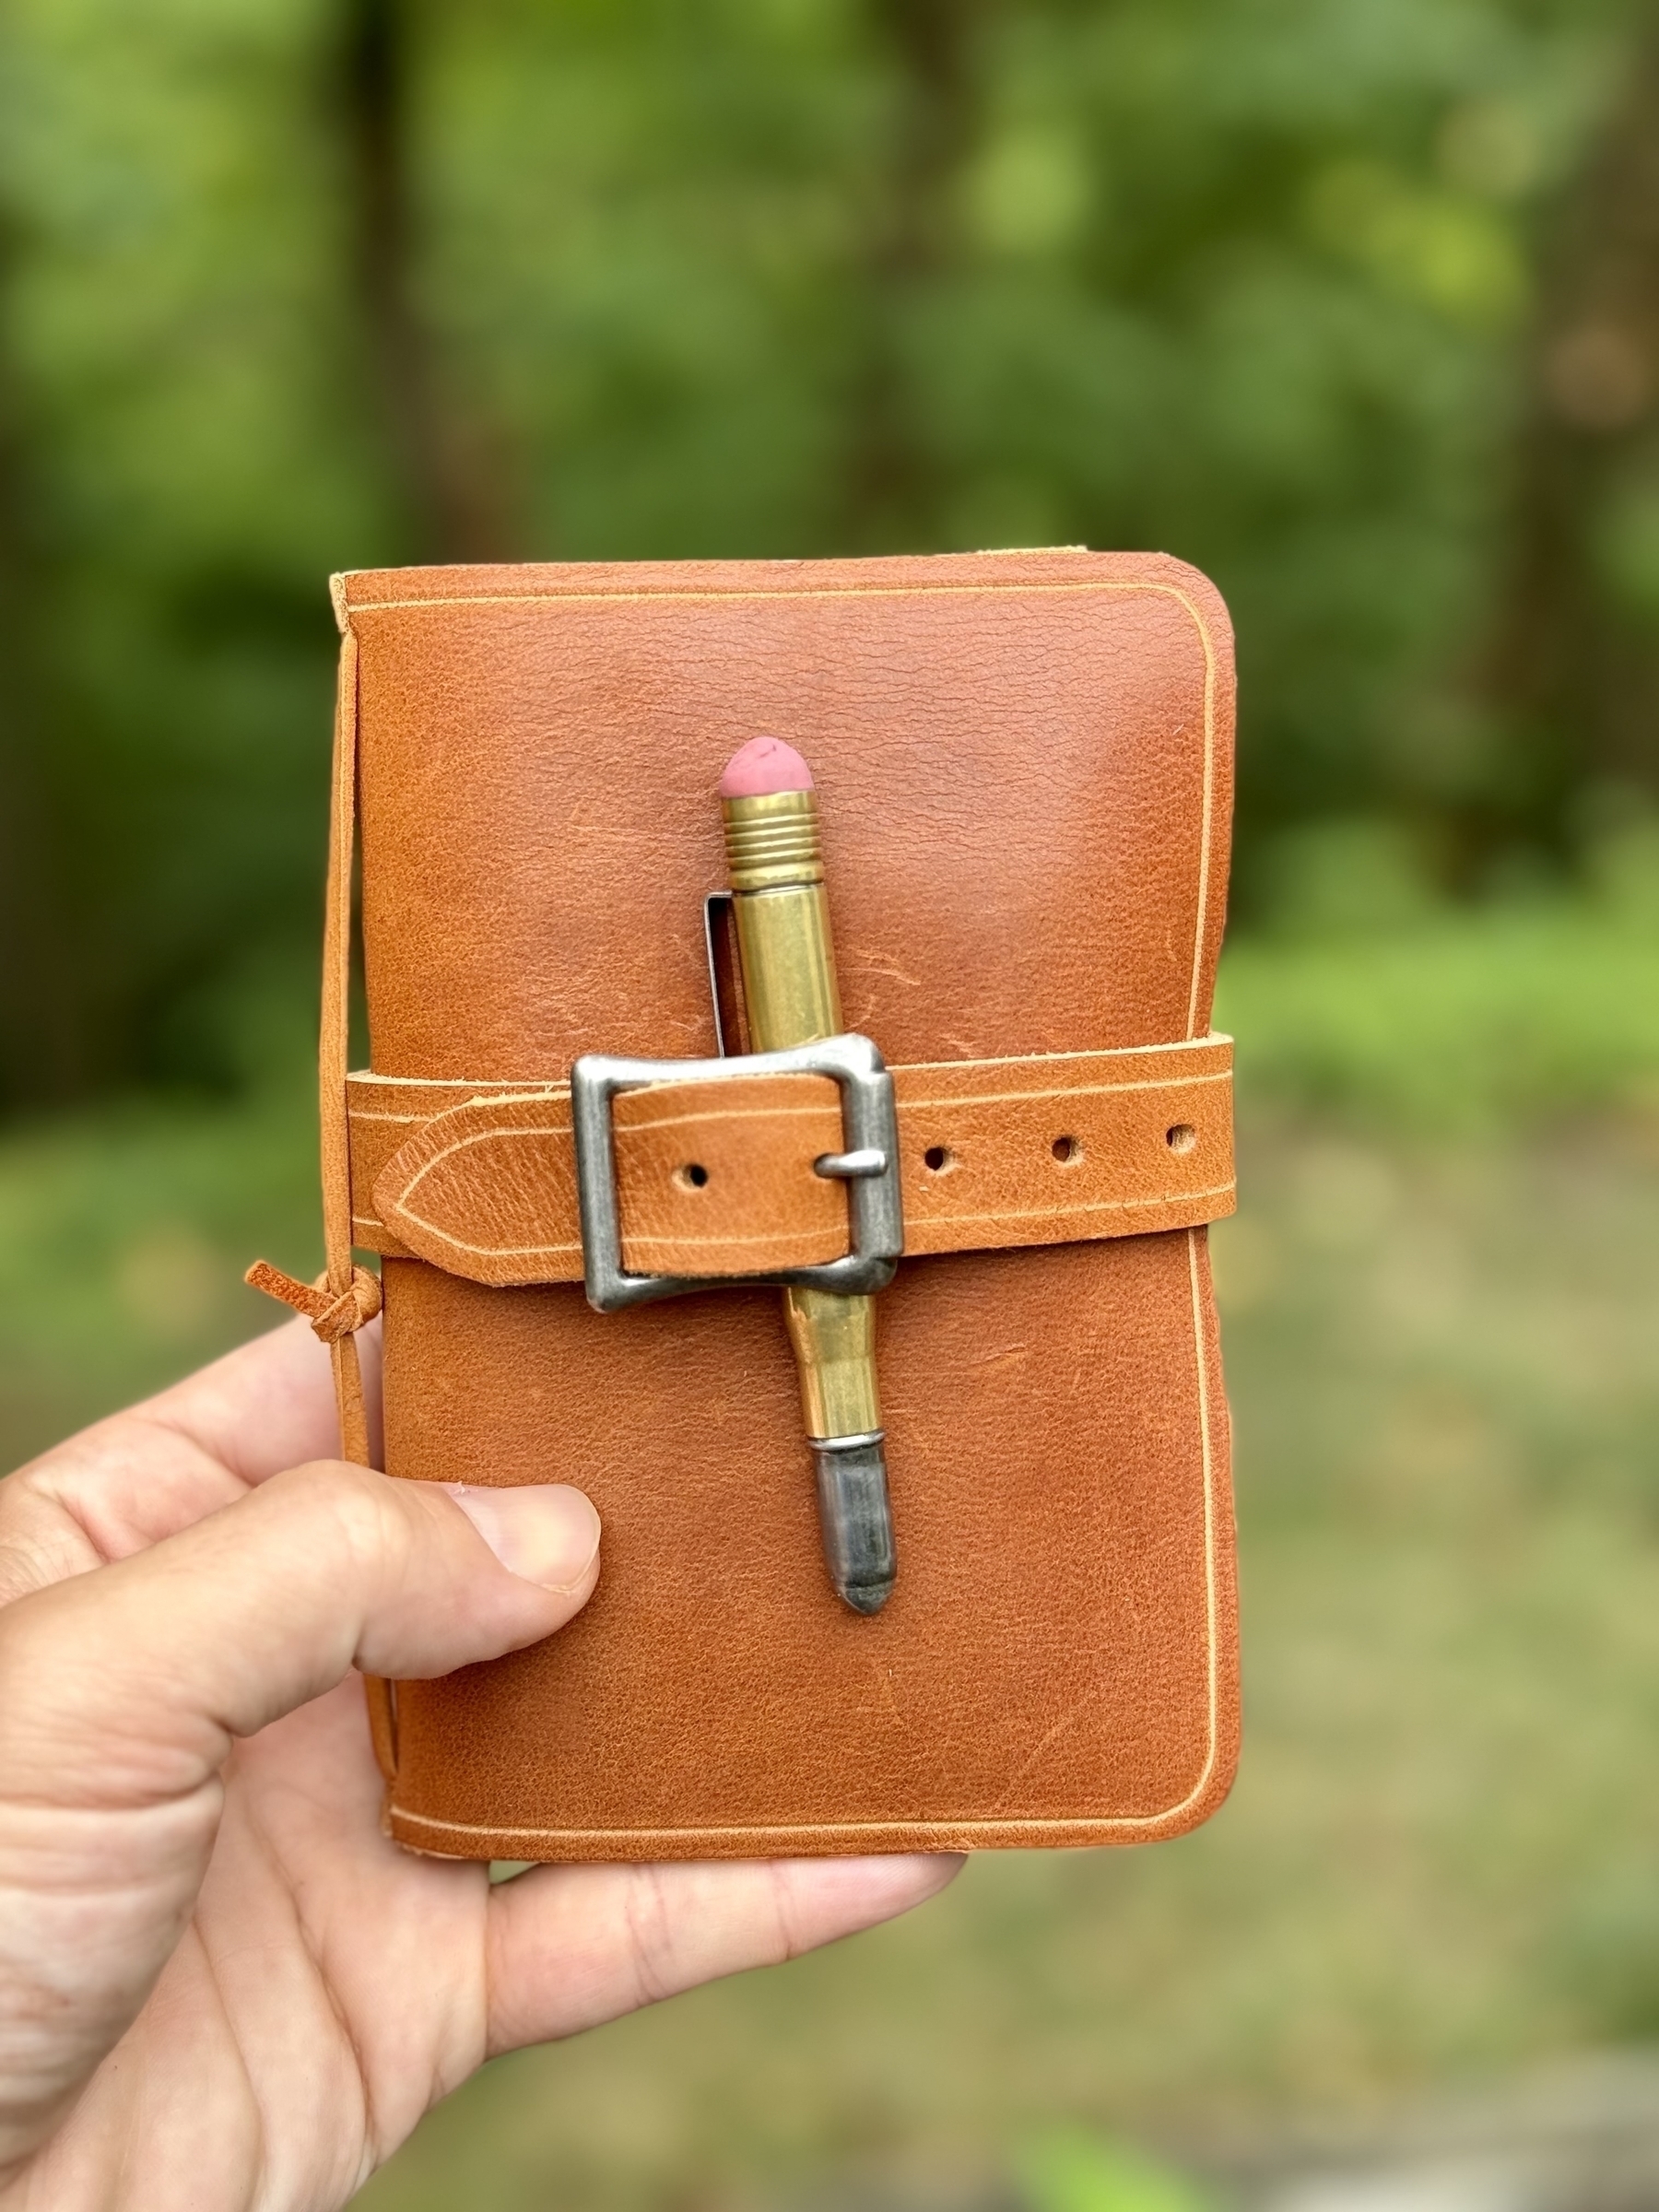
(868, 1597)
(857, 1525)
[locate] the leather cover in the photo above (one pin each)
(1024, 767)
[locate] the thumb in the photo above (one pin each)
(132, 1680)
(122, 1689)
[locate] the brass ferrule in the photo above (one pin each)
(783, 916)
(772, 841)
(834, 1340)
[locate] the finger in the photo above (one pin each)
(573, 1946)
(270, 1403)
(127, 1482)
(127, 1685)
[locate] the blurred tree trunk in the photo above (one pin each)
(451, 482)
(46, 1051)
(892, 481)
(1572, 667)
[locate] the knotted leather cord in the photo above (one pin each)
(334, 1059)
(331, 1317)
(345, 1296)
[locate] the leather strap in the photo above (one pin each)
(716, 1178)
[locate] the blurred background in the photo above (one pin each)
(1355, 303)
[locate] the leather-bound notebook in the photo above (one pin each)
(1022, 765)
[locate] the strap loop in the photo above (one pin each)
(331, 1317)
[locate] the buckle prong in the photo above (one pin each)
(847, 1167)
(868, 1164)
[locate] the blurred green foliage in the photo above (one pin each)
(125, 1225)
(1366, 1003)
(293, 285)
(1069, 2170)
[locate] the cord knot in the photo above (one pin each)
(333, 1314)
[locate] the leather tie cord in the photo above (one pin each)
(342, 1301)
(331, 1317)
(347, 1295)
(334, 1053)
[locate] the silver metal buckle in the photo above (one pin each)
(868, 1164)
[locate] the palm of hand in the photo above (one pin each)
(260, 1993)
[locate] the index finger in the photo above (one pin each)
(128, 1481)
(267, 1406)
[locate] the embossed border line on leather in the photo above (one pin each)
(1000, 575)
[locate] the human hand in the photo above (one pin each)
(220, 1985)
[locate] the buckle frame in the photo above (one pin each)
(867, 1163)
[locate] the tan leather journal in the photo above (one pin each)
(1023, 770)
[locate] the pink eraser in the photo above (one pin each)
(761, 767)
